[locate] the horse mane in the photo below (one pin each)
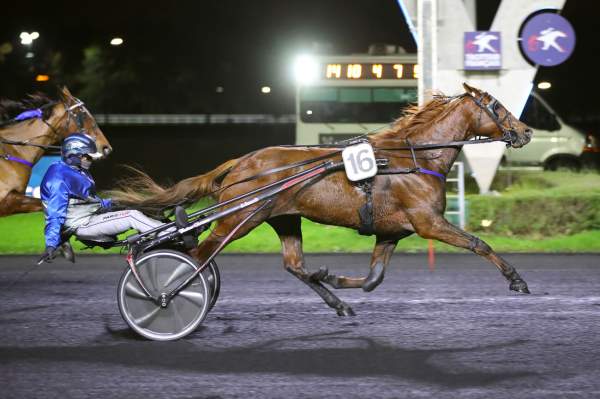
(414, 117)
(11, 108)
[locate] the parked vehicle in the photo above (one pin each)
(555, 144)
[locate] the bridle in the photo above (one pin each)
(509, 135)
(78, 112)
(78, 117)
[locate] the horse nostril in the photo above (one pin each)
(106, 151)
(528, 132)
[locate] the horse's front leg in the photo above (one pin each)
(436, 227)
(15, 202)
(384, 247)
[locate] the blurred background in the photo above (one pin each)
(180, 87)
(215, 57)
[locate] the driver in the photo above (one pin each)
(72, 206)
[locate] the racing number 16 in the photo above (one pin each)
(359, 161)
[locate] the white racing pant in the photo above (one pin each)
(106, 226)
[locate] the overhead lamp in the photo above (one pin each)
(28, 38)
(544, 85)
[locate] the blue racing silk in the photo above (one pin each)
(63, 189)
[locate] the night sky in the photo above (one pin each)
(177, 53)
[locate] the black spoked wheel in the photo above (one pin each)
(161, 271)
(213, 279)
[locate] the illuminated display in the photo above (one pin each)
(350, 71)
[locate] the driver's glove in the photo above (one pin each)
(48, 255)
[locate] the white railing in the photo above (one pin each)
(193, 119)
(457, 176)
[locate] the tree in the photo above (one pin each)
(107, 83)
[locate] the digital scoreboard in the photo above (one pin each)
(368, 71)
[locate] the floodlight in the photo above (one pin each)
(305, 69)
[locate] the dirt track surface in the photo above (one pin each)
(456, 332)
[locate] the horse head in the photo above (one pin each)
(80, 119)
(493, 120)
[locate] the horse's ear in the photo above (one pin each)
(65, 93)
(471, 90)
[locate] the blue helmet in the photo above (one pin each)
(77, 144)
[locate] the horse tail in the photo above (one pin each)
(141, 192)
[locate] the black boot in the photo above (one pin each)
(190, 238)
(181, 217)
(67, 251)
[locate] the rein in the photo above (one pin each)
(508, 136)
(450, 144)
(39, 114)
(28, 144)
(362, 139)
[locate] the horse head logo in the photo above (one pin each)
(482, 41)
(549, 36)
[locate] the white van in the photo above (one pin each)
(554, 145)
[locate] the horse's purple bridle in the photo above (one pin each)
(17, 159)
(38, 114)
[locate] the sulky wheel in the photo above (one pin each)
(161, 271)
(213, 279)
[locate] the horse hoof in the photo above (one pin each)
(374, 278)
(319, 275)
(345, 310)
(369, 286)
(520, 286)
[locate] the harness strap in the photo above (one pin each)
(277, 169)
(412, 153)
(365, 212)
(396, 171)
(16, 159)
(432, 172)
(406, 171)
(26, 143)
(448, 144)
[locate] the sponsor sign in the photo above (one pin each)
(548, 39)
(482, 51)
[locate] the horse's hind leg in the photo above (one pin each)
(18, 203)
(289, 232)
(384, 247)
(440, 229)
(222, 231)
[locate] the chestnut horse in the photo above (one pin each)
(403, 204)
(59, 119)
